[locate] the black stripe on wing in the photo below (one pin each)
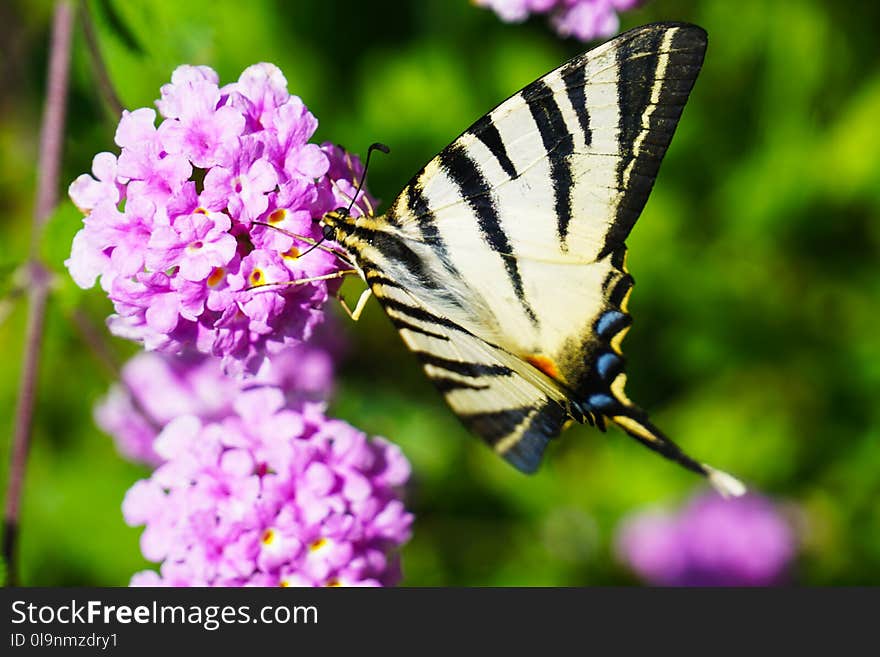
(475, 189)
(484, 130)
(575, 80)
(494, 426)
(649, 70)
(418, 206)
(403, 325)
(393, 249)
(464, 368)
(398, 308)
(559, 145)
(545, 424)
(534, 426)
(446, 384)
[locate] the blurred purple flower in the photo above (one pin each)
(583, 19)
(742, 541)
(170, 224)
(272, 495)
(157, 387)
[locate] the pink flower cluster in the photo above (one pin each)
(193, 229)
(274, 494)
(582, 19)
(155, 388)
(197, 231)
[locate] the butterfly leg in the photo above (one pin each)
(308, 240)
(342, 273)
(359, 306)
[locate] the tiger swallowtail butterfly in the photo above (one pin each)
(502, 262)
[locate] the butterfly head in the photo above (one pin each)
(334, 222)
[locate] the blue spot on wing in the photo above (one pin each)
(602, 402)
(608, 365)
(610, 322)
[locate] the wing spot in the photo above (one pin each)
(618, 339)
(545, 364)
(617, 388)
(624, 304)
(602, 402)
(609, 365)
(611, 322)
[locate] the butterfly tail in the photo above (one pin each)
(635, 422)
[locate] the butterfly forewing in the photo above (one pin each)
(538, 194)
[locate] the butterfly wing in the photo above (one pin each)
(514, 234)
(515, 408)
(531, 205)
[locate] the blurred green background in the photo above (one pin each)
(755, 341)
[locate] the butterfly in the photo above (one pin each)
(502, 262)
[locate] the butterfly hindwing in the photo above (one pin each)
(511, 406)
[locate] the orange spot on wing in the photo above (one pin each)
(546, 365)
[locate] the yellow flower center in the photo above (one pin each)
(216, 276)
(277, 216)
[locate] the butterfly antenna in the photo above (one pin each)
(347, 211)
(373, 147)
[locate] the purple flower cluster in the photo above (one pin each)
(194, 229)
(197, 231)
(742, 541)
(273, 494)
(155, 388)
(582, 19)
